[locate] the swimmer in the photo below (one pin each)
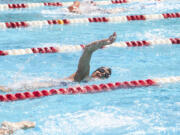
(8, 128)
(74, 8)
(82, 73)
(89, 7)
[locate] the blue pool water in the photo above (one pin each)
(145, 110)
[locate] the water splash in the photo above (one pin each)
(83, 122)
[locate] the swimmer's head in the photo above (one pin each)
(102, 73)
(74, 6)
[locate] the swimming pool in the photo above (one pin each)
(144, 110)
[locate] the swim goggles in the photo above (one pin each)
(104, 74)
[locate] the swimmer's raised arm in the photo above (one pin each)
(84, 62)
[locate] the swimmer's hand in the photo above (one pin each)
(112, 38)
(26, 124)
(100, 44)
(4, 89)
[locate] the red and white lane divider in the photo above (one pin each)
(114, 19)
(32, 5)
(72, 48)
(89, 88)
(124, 1)
(60, 4)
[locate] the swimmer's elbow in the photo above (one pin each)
(77, 78)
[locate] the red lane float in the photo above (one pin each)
(77, 90)
(129, 1)
(71, 48)
(89, 88)
(119, 1)
(114, 19)
(30, 5)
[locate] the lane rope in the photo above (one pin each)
(60, 4)
(89, 88)
(114, 19)
(73, 48)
